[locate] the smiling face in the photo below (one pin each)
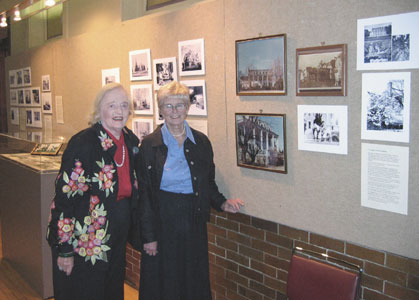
(114, 111)
(174, 115)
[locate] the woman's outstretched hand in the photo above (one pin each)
(232, 205)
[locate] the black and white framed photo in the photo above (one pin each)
(388, 42)
(164, 71)
(142, 127)
(191, 57)
(13, 97)
(36, 96)
(323, 128)
(142, 99)
(46, 103)
(20, 97)
(261, 142)
(261, 66)
(46, 84)
(197, 96)
(29, 117)
(110, 75)
(19, 78)
(28, 96)
(385, 111)
(12, 79)
(37, 117)
(14, 115)
(27, 77)
(140, 65)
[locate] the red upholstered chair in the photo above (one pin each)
(309, 279)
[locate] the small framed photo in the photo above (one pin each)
(164, 71)
(261, 142)
(29, 117)
(197, 96)
(37, 117)
(46, 149)
(110, 75)
(19, 78)
(13, 97)
(36, 96)
(20, 97)
(140, 65)
(14, 115)
(46, 103)
(323, 128)
(142, 99)
(142, 127)
(28, 97)
(12, 79)
(46, 84)
(27, 78)
(191, 57)
(321, 71)
(261, 66)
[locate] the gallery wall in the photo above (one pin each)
(321, 192)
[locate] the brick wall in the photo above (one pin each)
(249, 259)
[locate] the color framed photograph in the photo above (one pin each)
(142, 127)
(191, 57)
(140, 65)
(46, 149)
(321, 71)
(197, 96)
(46, 84)
(164, 71)
(261, 67)
(12, 79)
(14, 115)
(27, 77)
(323, 128)
(142, 99)
(261, 142)
(110, 75)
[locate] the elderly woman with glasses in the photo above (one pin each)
(177, 190)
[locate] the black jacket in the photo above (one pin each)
(153, 154)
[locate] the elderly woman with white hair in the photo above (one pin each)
(96, 190)
(177, 190)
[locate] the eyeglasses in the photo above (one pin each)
(178, 106)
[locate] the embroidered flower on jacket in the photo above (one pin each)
(104, 177)
(76, 182)
(65, 229)
(105, 140)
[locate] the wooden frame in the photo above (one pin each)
(261, 141)
(261, 66)
(321, 71)
(46, 149)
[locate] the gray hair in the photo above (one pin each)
(173, 89)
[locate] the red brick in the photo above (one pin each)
(239, 238)
(249, 252)
(293, 233)
(326, 242)
(252, 231)
(227, 224)
(265, 247)
(261, 288)
(400, 292)
(372, 282)
(385, 273)
(403, 264)
(274, 283)
(252, 274)
(365, 253)
(227, 244)
(276, 262)
(240, 259)
(228, 284)
(227, 264)
(244, 281)
(239, 217)
(264, 268)
(264, 224)
(234, 296)
(218, 289)
(284, 253)
(350, 259)
(217, 230)
(374, 295)
(413, 282)
(216, 270)
(216, 250)
(282, 275)
(249, 293)
(278, 240)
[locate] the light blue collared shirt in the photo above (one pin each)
(176, 174)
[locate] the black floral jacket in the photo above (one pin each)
(86, 183)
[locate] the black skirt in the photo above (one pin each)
(180, 270)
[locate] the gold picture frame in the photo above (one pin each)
(46, 149)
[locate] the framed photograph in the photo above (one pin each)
(197, 96)
(261, 66)
(389, 42)
(164, 71)
(191, 57)
(37, 117)
(261, 142)
(46, 149)
(20, 97)
(323, 128)
(14, 115)
(386, 106)
(29, 117)
(46, 84)
(46, 103)
(142, 127)
(19, 78)
(27, 94)
(36, 96)
(321, 71)
(27, 78)
(13, 97)
(110, 75)
(142, 99)
(140, 65)
(12, 79)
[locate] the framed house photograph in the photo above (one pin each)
(142, 99)
(20, 97)
(140, 65)
(36, 96)
(191, 57)
(197, 96)
(323, 128)
(46, 103)
(142, 127)
(261, 142)
(110, 75)
(321, 71)
(164, 71)
(261, 66)
(385, 112)
(14, 115)
(46, 149)
(29, 117)
(46, 84)
(28, 97)
(388, 42)
(13, 97)
(19, 78)
(37, 117)
(27, 78)
(12, 79)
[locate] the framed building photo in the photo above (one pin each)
(46, 84)
(19, 78)
(191, 57)
(323, 128)
(140, 65)
(14, 115)
(27, 78)
(12, 79)
(37, 117)
(20, 97)
(261, 66)
(321, 71)
(261, 142)
(197, 96)
(13, 97)
(385, 112)
(46, 103)
(28, 97)
(142, 127)
(110, 75)
(36, 96)
(46, 149)
(142, 99)
(388, 42)
(164, 71)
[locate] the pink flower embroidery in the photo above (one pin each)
(105, 140)
(77, 183)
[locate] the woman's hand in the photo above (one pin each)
(65, 264)
(151, 248)
(232, 205)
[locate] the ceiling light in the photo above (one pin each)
(17, 15)
(3, 22)
(49, 2)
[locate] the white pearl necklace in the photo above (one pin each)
(123, 158)
(178, 135)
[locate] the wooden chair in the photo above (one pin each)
(310, 279)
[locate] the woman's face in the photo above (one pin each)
(114, 111)
(174, 111)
